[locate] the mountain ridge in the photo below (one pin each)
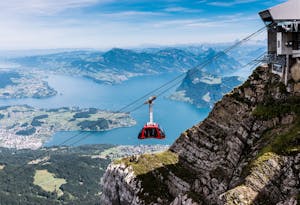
(125, 63)
(247, 151)
(203, 89)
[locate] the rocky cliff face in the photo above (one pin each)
(247, 151)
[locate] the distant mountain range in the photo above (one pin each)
(208, 78)
(117, 65)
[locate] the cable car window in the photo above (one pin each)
(153, 132)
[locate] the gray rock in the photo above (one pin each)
(218, 161)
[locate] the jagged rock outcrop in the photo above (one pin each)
(115, 179)
(247, 151)
(295, 70)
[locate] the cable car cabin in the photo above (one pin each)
(151, 131)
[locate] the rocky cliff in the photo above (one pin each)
(247, 151)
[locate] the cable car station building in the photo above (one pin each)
(283, 23)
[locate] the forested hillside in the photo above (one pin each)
(52, 176)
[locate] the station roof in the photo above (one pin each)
(286, 11)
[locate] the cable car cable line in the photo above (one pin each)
(255, 61)
(138, 107)
(167, 83)
(85, 135)
(177, 81)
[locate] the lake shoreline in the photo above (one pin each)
(85, 93)
(27, 127)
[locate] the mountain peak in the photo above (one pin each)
(116, 51)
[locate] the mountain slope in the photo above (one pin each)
(202, 89)
(59, 175)
(247, 151)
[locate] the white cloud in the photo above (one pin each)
(100, 33)
(30, 24)
(182, 9)
(134, 14)
(175, 9)
(46, 7)
(201, 23)
(109, 32)
(226, 21)
(230, 3)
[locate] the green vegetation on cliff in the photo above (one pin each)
(153, 171)
(271, 109)
(285, 143)
(282, 139)
(146, 163)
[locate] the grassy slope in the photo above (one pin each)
(149, 162)
(48, 182)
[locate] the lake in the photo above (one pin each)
(173, 116)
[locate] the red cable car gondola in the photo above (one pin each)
(151, 129)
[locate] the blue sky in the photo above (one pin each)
(30, 24)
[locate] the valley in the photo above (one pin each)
(165, 102)
(93, 79)
(60, 174)
(78, 95)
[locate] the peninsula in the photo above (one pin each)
(25, 127)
